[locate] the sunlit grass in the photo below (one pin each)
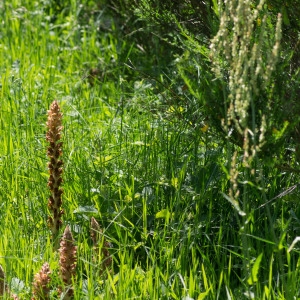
(153, 182)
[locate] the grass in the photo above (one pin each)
(132, 161)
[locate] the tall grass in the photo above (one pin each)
(140, 158)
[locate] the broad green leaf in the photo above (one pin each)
(203, 295)
(163, 214)
(253, 277)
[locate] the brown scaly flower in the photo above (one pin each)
(67, 262)
(54, 152)
(41, 289)
(101, 246)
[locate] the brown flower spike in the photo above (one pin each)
(41, 289)
(67, 262)
(101, 246)
(54, 152)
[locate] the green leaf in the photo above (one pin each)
(215, 7)
(285, 17)
(253, 277)
(163, 214)
(85, 210)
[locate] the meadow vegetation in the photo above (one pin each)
(179, 149)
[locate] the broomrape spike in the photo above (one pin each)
(55, 164)
(101, 246)
(67, 262)
(41, 289)
(95, 231)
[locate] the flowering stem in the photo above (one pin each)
(54, 152)
(67, 262)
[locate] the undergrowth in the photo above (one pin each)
(144, 155)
